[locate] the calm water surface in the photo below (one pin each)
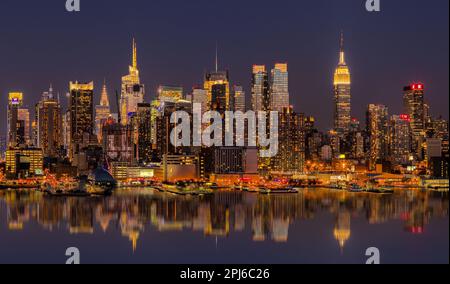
(144, 226)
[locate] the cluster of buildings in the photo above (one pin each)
(135, 142)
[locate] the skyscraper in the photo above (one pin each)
(342, 94)
(239, 98)
(132, 90)
(260, 89)
(200, 96)
(414, 106)
(400, 139)
(377, 128)
(102, 112)
(144, 130)
(49, 124)
(291, 140)
(81, 107)
(18, 121)
(24, 126)
(279, 87)
(218, 87)
(15, 101)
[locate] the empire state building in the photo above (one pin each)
(342, 94)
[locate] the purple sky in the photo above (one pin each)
(41, 43)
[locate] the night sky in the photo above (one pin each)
(41, 43)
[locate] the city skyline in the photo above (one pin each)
(104, 60)
(224, 132)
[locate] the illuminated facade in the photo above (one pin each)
(342, 95)
(413, 102)
(24, 162)
(279, 87)
(377, 128)
(260, 89)
(49, 125)
(15, 101)
(200, 96)
(170, 94)
(342, 230)
(81, 107)
(24, 127)
(239, 99)
(117, 142)
(218, 87)
(102, 112)
(400, 139)
(132, 90)
(291, 139)
(144, 132)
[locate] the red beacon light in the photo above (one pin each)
(417, 86)
(405, 117)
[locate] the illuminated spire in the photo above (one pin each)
(342, 54)
(104, 101)
(134, 54)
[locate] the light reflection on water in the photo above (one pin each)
(142, 225)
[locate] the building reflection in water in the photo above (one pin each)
(267, 217)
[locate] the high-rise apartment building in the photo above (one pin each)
(279, 87)
(260, 89)
(239, 99)
(414, 106)
(81, 108)
(15, 128)
(144, 132)
(377, 128)
(291, 140)
(49, 124)
(400, 139)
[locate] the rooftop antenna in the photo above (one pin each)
(341, 46)
(119, 116)
(217, 58)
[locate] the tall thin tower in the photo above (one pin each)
(132, 90)
(342, 94)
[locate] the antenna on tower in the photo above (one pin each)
(50, 91)
(134, 53)
(341, 47)
(119, 116)
(217, 58)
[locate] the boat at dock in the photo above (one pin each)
(185, 188)
(355, 188)
(19, 184)
(381, 190)
(281, 190)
